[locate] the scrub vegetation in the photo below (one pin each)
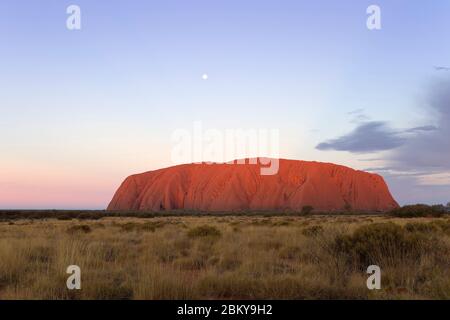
(225, 257)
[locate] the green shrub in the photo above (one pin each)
(64, 217)
(420, 227)
(81, 228)
(147, 226)
(129, 226)
(348, 207)
(312, 231)
(382, 244)
(282, 223)
(204, 231)
(152, 225)
(89, 216)
(307, 210)
(444, 226)
(418, 210)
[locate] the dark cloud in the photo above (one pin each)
(431, 148)
(368, 137)
(371, 137)
(427, 145)
(416, 154)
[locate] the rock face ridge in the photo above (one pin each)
(236, 187)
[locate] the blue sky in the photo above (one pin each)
(100, 103)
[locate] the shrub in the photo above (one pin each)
(196, 262)
(229, 263)
(291, 252)
(443, 225)
(113, 286)
(420, 227)
(261, 222)
(312, 231)
(382, 244)
(64, 217)
(282, 223)
(165, 252)
(418, 210)
(152, 226)
(89, 216)
(307, 210)
(81, 228)
(41, 254)
(148, 226)
(204, 231)
(348, 207)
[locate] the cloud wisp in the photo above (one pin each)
(441, 68)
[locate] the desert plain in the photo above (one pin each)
(223, 257)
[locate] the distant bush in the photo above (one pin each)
(307, 210)
(64, 217)
(204, 231)
(418, 210)
(282, 223)
(348, 207)
(89, 216)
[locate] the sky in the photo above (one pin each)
(82, 109)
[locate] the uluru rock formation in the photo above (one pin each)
(235, 187)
